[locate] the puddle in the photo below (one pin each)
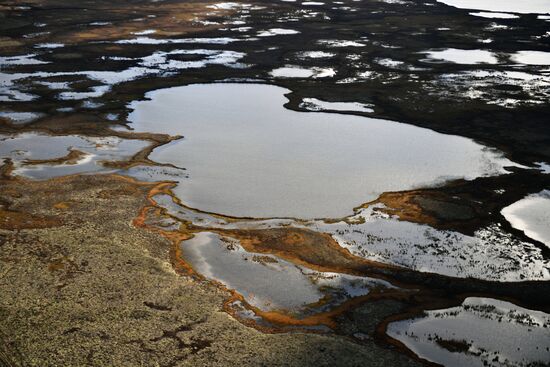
(314, 104)
(459, 56)
(188, 215)
(531, 88)
(49, 153)
(292, 72)
(19, 117)
(145, 32)
(484, 14)
(378, 237)
(300, 72)
(340, 43)
(263, 280)
(543, 167)
(489, 254)
(95, 92)
(532, 57)
(20, 60)
(532, 216)
(262, 284)
(251, 157)
(495, 27)
(228, 6)
(49, 45)
(154, 64)
(154, 173)
(316, 54)
(480, 332)
(166, 41)
(162, 60)
(277, 32)
(513, 6)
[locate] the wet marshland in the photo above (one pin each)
(312, 158)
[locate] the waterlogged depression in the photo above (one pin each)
(514, 6)
(263, 280)
(478, 71)
(248, 156)
(480, 332)
(489, 254)
(40, 156)
(532, 216)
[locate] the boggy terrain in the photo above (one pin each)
(82, 286)
(102, 263)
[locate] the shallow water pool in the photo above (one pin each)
(248, 156)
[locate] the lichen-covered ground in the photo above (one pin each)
(91, 289)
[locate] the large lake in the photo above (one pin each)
(248, 156)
